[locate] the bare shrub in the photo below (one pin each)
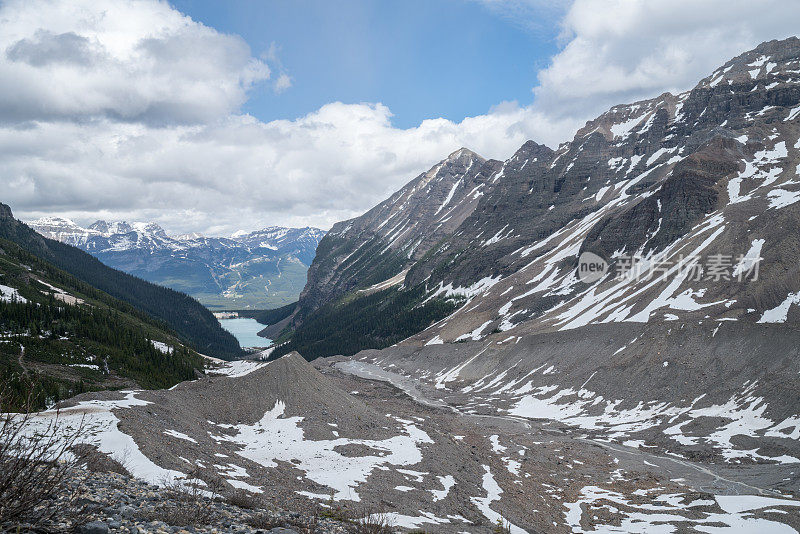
(371, 522)
(243, 499)
(335, 511)
(190, 501)
(35, 464)
(501, 526)
(98, 462)
(267, 521)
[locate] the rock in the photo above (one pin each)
(95, 527)
(282, 530)
(127, 511)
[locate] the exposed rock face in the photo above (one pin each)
(708, 173)
(684, 197)
(399, 231)
(5, 212)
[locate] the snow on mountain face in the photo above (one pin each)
(391, 236)
(710, 175)
(691, 186)
(63, 230)
(277, 237)
(263, 269)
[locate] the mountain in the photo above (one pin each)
(707, 177)
(262, 269)
(60, 337)
(192, 322)
(399, 231)
(511, 387)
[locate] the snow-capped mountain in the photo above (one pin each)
(513, 390)
(705, 182)
(301, 242)
(261, 269)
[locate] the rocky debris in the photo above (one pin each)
(431, 439)
(115, 503)
(712, 392)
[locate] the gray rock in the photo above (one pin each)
(95, 527)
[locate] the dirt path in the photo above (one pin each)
(21, 362)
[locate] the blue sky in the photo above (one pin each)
(421, 58)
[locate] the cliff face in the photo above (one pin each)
(398, 232)
(5, 212)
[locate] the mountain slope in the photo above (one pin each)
(194, 323)
(695, 189)
(388, 238)
(262, 269)
(60, 336)
(351, 301)
(709, 175)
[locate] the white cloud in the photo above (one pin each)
(326, 166)
(282, 83)
(129, 109)
(128, 59)
(620, 51)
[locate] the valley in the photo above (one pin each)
(445, 441)
(445, 368)
(262, 269)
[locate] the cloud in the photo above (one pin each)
(619, 51)
(282, 83)
(238, 172)
(130, 109)
(46, 48)
(132, 60)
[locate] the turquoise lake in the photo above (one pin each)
(245, 331)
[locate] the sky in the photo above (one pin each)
(213, 117)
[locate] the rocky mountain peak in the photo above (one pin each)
(464, 154)
(772, 62)
(99, 226)
(5, 212)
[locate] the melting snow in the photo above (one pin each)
(9, 294)
(237, 368)
(493, 492)
(276, 438)
(632, 517)
(780, 313)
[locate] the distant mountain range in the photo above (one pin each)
(262, 269)
(187, 319)
(698, 189)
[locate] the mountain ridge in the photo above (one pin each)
(260, 269)
(694, 173)
(193, 322)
